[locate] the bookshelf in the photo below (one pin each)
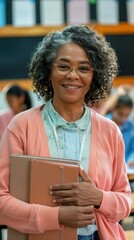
(9, 31)
(38, 30)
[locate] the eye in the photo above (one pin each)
(84, 69)
(63, 67)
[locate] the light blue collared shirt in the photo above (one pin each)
(70, 141)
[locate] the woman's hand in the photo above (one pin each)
(76, 217)
(82, 193)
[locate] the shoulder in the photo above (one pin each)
(105, 125)
(22, 119)
(102, 119)
(6, 112)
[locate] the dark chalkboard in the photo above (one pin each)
(124, 47)
(15, 55)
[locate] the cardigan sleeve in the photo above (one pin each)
(116, 204)
(24, 217)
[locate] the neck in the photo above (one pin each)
(70, 112)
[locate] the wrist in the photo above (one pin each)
(99, 196)
(61, 215)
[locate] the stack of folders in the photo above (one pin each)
(24, 13)
(130, 11)
(107, 11)
(30, 180)
(52, 12)
(78, 12)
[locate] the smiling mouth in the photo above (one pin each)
(71, 87)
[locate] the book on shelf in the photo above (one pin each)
(78, 12)
(23, 13)
(51, 12)
(130, 11)
(30, 179)
(2, 13)
(107, 11)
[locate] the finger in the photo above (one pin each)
(89, 217)
(85, 223)
(67, 204)
(65, 193)
(86, 220)
(88, 209)
(66, 186)
(64, 201)
(84, 175)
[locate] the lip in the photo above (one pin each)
(70, 86)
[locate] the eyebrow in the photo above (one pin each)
(68, 61)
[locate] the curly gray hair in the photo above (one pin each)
(101, 55)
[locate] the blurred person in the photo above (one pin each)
(106, 105)
(18, 100)
(69, 68)
(120, 115)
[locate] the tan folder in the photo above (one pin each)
(19, 187)
(43, 175)
(24, 188)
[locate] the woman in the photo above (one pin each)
(70, 68)
(18, 100)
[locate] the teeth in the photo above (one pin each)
(71, 87)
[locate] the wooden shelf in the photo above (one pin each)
(130, 176)
(119, 29)
(123, 80)
(38, 30)
(25, 83)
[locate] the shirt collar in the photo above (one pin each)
(58, 121)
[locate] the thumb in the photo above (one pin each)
(84, 175)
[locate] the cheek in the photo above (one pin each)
(56, 82)
(87, 83)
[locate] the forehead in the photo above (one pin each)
(71, 51)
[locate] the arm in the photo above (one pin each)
(29, 218)
(116, 203)
(112, 99)
(32, 218)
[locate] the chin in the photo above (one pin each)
(72, 100)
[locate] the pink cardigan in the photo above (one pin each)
(26, 135)
(5, 118)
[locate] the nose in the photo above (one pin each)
(73, 73)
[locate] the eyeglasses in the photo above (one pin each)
(82, 70)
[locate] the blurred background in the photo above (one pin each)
(23, 23)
